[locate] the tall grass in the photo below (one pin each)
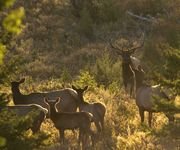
(123, 130)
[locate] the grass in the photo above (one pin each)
(123, 130)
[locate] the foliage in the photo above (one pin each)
(5, 4)
(106, 71)
(171, 73)
(2, 142)
(85, 23)
(65, 76)
(167, 106)
(3, 99)
(13, 22)
(14, 130)
(62, 44)
(2, 51)
(85, 79)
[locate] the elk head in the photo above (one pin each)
(126, 47)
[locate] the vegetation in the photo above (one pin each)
(55, 44)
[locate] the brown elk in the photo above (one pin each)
(97, 109)
(145, 95)
(70, 120)
(129, 62)
(67, 103)
(23, 110)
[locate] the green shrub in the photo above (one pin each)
(13, 129)
(85, 79)
(85, 23)
(106, 71)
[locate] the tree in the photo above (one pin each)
(11, 24)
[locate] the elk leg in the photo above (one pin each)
(98, 126)
(150, 118)
(132, 90)
(102, 124)
(170, 117)
(80, 137)
(36, 126)
(61, 133)
(141, 112)
(83, 140)
(125, 86)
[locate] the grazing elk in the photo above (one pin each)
(97, 109)
(67, 103)
(145, 95)
(23, 110)
(128, 62)
(70, 120)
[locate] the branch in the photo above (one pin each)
(150, 19)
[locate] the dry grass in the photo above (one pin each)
(123, 130)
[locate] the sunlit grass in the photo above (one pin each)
(123, 129)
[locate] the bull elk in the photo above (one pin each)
(125, 49)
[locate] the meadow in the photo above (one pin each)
(123, 130)
(55, 44)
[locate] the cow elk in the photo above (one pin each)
(97, 109)
(67, 103)
(145, 95)
(70, 120)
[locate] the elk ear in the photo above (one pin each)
(22, 80)
(85, 88)
(45, 100)
(74, 88)
(58, 100)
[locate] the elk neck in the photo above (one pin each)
(139, 76)
(52, 111)
(17, 96)
(81, 101)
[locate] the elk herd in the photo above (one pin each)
(61, 106)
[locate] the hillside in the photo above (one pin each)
(65, 42)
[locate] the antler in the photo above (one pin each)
(133, 49)
(117, 48)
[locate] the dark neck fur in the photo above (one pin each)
(17, 96)
(52, 111)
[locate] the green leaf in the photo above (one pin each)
(6, 3)
(13, 22)
(2, 51)
(2, 141)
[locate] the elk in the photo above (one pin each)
(145, 95)
(67, 103)
(23, 110)
(97, 109)
(69, 120)
(128, 62)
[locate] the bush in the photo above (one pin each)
(85, 24)
(106, 71)
(85, 79)
(13, 129)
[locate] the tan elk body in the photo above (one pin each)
(97, 109)
(145, 95)
(67, 103)
(70, 120)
